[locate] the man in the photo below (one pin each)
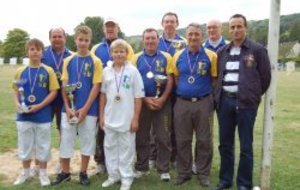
(244, 76)
(169, 23)
(215, 40)
(102, 51)
(53, 57)
(195, 72)
(156, 110)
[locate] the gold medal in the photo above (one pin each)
(31, 98)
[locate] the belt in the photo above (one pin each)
(230, 94)
(193, 99)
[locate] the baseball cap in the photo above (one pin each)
(107, 20)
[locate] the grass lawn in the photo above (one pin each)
(286, 149)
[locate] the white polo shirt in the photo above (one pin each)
(118, 114)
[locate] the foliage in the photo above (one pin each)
(14, 44)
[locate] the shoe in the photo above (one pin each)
(57, 169)
(34, 171)
(100, 169)
(180, 180)
(109, 182)
(44, 180)
(62, 177)
(165, 177)
(138, 174)
(125, 186)
(243, 188)
(83, 179)
(21, 178)
(222, 186)
(194, 169)
(204, 182)
(151, 164)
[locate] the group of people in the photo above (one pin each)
(131, 111)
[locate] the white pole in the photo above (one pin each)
(273, 43)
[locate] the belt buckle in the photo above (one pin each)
(194, 99)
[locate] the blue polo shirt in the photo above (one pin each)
(204, 64)
(166, 45)
(159, 63)
(88, 72)
(215, 49)
(45, 81)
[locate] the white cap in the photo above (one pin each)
(107, 20)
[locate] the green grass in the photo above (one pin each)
(285, 173)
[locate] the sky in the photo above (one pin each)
(38, 16)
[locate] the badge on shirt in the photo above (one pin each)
(201, 68)
(249, 60)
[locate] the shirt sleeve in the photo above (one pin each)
(97, 78)
(53, 83)
(174, 63)
(170, 66)
(104, 84)
(17, 77)
(130, 52)
(65, 74)
(213, 60)
(138, 85)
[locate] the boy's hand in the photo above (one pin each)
(34, 108)
(81, 114)
(19, 108)
(134, 125)
(70, 113)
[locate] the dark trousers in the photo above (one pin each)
(230, 116)
(189, 117)
(99, 156)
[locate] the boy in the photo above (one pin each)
(35, 87)
(84, 71)
(120, 107)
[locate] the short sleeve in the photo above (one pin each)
(139, 91)
(97, 78)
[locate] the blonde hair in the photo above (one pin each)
(119, 43)
(83, 30)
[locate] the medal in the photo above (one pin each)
(191, 79)
(117, 98)
(31, 98)
(150, 75)
(78, 85)
(58, 74)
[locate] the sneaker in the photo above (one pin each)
(100, 169)
(194, 169)
(61, 178)
(57, 169)
(44, 179)
(138, 174)
(165, 177)
(21, 178)
(83, 179)
(125, 186)
(109, 182)
(151, 164)
(34, 171)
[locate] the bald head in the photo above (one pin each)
(57, 37)
(214, 29)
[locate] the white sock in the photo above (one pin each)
(43, 172)
(26, 171)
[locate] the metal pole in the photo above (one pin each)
(273, 43)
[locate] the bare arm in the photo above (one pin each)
(137, 110)
(102, 100)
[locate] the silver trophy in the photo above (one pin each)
(70, 88)
(160, 80)
(19, 83)
(178, 44)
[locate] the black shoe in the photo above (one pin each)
(204, 182)
(222, 186)
(243, 188)
(83, 178)
(181, 180)
(61, 178)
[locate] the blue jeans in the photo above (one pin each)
(230, 116)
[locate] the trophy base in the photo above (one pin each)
(74, 120)
(24, 109)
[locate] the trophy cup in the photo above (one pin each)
(19, 84)
(178, 44)
(160, 80)
(70, 88)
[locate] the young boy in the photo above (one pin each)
(84, 71)
(35, 87)
(120, 105)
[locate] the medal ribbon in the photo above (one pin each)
(57, 64)
(81, 69)
(164, 42)
(191, 64)
(149, 65)
(34, 80)
(118, 84)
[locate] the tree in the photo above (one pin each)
(70, 43)
(294, 32)
(96, 24)
(14, 44)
